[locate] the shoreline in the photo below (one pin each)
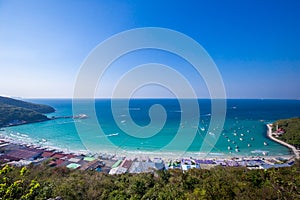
(80, 116)
(140, 155)
(269, 134)
(166, 156)
(22, 154)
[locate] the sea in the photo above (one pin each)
(158, 127)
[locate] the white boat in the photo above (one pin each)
(249, 145)
(211, 133)
(229, 148)
(241, 139)
(265, 143)
(80, 116)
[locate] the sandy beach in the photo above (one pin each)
(166, 156)
(120, 161)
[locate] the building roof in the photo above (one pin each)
(118, 170)
(6, 158)
(139, 167)
(59, 162)
(47, 154)
(58, 155)
(25, 153)
(91, 165)
(73, 166)
(113, 170)
(117, 164)
(126, 164)
(70, 156)
(74, 160)
(89, 158)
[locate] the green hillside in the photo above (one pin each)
(291, 129)
(23, 104)
(16, 112)
(42, 182)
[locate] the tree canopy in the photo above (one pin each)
(42, 182)
(291, 129)
(14, 112)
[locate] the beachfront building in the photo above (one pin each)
(187, 164)
(117, 169)
(146, 166)
(93, 165)
(23, 154)
(73, 166)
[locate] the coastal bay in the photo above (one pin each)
(243, 121)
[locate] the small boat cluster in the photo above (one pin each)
(235, 137)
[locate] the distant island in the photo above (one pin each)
(16, 112)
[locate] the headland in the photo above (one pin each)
(270, 135)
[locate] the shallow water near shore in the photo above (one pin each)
(243, 134)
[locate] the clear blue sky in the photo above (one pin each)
(255, 44)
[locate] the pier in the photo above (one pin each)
(269, 134)
(80, 116)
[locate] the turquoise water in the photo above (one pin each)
(243, 134)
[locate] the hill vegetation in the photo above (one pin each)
(291, 128)
(27, 105)
(42, 182)
(15, 112)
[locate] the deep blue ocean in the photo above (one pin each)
(243, 133)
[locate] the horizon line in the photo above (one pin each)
(107, 98)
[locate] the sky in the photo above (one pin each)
(255, 44)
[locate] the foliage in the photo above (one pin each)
(14, 185)
(291, 128)
(18, 112)
(42, 182)
(22, 104)
(10, 114)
